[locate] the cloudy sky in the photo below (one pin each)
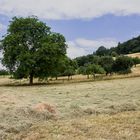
(86, 24)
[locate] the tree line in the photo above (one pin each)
(93, 64)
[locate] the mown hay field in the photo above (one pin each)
(101, 110)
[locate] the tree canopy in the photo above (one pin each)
(101, 51)
(123, 65)
(107, 62)
(30, 49)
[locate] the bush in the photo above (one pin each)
(107, 62)
(91, 69)
(69, 72)
(136, 61)
(114, 54)
(123, 65)
(4, 72)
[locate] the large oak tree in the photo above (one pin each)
(31, 50)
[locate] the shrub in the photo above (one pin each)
(91, 69)
(123, 65)
(136, 61)
(4, 72)
(107, 62)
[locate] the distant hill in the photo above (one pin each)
(128, 47)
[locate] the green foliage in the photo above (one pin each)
(123, 65)
(91, 59)
(104, 58)
(60, 67)
(114, 54)
(82, 70)
(97, 69)
(102, 51)
(128, 47)
(136, 61)
(69, 71)
(70, 68)
(30, 49)
(107, 62)
(3, 72)
(91, 69)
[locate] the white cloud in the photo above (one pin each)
(74, 50)
(83, 46)
(69, 9)
(94, 44)
(2, 27)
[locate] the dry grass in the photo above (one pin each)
(6, 81)
(122, 126)
(136, 70)
(134, 55)
(101, 110)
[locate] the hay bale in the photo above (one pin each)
(42, 107)
(41, 111)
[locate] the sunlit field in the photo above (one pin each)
(99, 110)
(134, 55)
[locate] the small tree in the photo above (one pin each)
(69, 72)
(136, 61)
(96, 69)
(82, 70)
(85, 70)
(107, 62)
(70, 68)
(91, 69)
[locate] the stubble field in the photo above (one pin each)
(101, 110)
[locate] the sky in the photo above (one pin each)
(86, 24)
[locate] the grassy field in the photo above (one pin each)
(101, 110)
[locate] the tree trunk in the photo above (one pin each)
(31, 79)
(94, 76)
(87, 76)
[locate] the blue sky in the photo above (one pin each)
(86, 24)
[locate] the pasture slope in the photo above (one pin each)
(101, 110)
